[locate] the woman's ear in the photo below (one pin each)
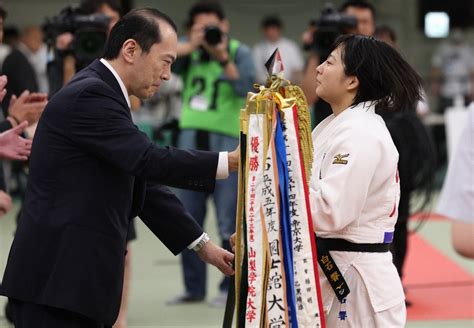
(130, 49)
(352, 83)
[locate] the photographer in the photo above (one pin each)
(217, 72)
(77, 36)
(318, 40)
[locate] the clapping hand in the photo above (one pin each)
(3, 83)
(28, 106)
(14, 147)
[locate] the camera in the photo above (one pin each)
(89, 31)
(329, 26)
(212, 35)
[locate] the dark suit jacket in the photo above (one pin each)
(91, 171)
(21, 76)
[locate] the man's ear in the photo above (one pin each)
(130, 50)
(352, 83)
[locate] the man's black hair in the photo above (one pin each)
(358, 4)
(89, 7)
(272, 21)
(205, 7)
(384, 76)
(141, 25)
(11, 35)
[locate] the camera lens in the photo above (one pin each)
(212, 35)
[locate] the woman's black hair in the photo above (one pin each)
(384, 76)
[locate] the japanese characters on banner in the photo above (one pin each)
(276, 298)
(255, 236)
(277, 281)
(305, 269)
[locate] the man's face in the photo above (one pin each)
(272, 33)
(33, 39)
(151, 68)
(385, 37)
(365, 20)
(207, 19)
(112, 14)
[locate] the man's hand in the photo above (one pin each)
(64, 40)
(234, 159)
(28, 106)
(5, 203)
(217, 256)
(232, 241)
(196, 36)
(14, 147)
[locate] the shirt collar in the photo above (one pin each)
(119, 80)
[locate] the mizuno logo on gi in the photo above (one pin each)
(338, 159)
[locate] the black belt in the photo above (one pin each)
(335, 244)
(329, 267)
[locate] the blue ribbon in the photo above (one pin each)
(285, 221)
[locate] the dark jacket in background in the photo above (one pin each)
(21, 76)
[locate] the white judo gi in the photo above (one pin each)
(354, 196)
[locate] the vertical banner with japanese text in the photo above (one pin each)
(255, 234)
(277, 280)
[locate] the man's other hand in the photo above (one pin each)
(232, 241)
(5, 203)
(217, 256)
(234, 159)
(14, 147)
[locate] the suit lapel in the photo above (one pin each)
(107, 76)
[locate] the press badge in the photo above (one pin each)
(199, 103)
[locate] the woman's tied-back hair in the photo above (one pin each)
(384, 76)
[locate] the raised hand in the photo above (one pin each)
(27, 107)
(14, 147)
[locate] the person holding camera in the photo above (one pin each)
(66, 61)
(217, 72)
(353, 17)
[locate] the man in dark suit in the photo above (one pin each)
(91, 171)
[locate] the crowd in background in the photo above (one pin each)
(213, 73)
